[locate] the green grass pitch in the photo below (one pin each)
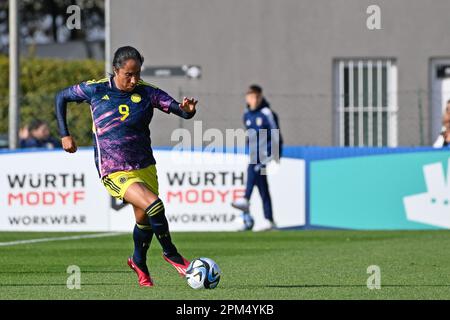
(264, 265)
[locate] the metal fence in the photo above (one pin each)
(305, 119)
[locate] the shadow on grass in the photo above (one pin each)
(61, 284)
(63, 272)
(353, 285)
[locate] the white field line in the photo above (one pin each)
(86, 236)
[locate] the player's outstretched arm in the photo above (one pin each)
(186, 109)
(164, 102)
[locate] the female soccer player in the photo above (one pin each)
(122, 108)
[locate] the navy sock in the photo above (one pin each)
(142, 236)
(160, 226)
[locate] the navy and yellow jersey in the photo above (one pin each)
(120, 121)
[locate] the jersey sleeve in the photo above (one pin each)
(269, 119)
(164, 102)
(78, 93)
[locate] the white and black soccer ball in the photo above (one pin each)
(203, 273)
(245, 221)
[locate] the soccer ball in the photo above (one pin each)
(203, 273)
(246, 221)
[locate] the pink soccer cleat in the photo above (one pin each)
(181, 268)
(144, 278)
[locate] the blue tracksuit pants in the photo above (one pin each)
(254, 177)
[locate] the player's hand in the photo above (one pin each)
(188, 105)
(69, 144)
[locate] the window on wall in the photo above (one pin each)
(366, 102)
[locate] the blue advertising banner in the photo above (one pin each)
(390, 191)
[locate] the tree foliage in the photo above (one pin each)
(40, 80)
(44, 21)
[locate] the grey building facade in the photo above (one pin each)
(331, 79)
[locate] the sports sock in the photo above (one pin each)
(142, 236)
(160, 226)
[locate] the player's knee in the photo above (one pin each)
(155, 208)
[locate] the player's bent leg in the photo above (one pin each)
(243, 204)
(142, 232)
(142, 237)
(263, 188)
(251, 180)
(157, 216)
(139, 195)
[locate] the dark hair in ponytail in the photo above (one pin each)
(125, 53)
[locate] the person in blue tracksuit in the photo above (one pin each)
(264, 144)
